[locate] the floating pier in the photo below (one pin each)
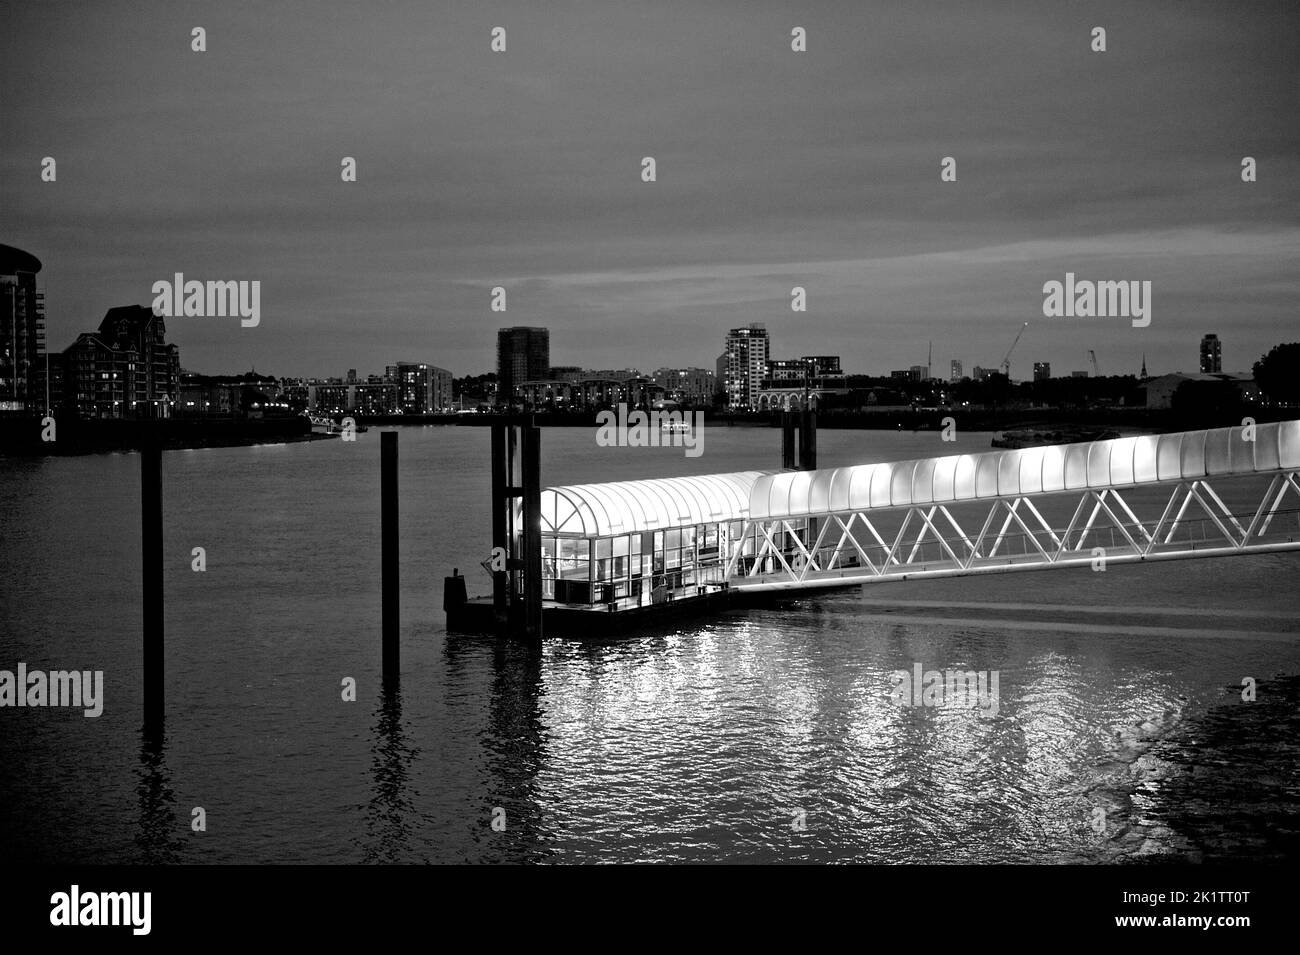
(625, 553)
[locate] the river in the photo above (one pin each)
(756, 736)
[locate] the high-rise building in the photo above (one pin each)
(746, 364)
(1042, 370)
(523, 354)
(1211, 355)
(919, 372)
(954, 370)
(22, 331)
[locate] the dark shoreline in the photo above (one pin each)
(893, 419)
(21, 436)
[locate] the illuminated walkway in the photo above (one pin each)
(1156, 497)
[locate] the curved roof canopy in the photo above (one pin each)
(626, 507)
(1116, 462)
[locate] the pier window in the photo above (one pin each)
(575, 559)
(672, 549)
(611, 558)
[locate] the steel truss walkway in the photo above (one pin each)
(1157, 497)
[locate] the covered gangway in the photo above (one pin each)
(1025, 509)
(1149, 497)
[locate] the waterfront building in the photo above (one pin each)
(799, 383)
(822, 366)
(547, 395)
(687, 386)
(250, 395)
(375, 397)
(787, 369)
(421, 388)
(124, 369)
(22, 332)
(1234, 386)
(330, 398)
(597, 393)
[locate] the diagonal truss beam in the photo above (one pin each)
(781, 556)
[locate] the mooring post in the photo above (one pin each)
(501, 502)
(151, 563)
(531, 446)
(388, 551)
(808, 442)
(787, 439)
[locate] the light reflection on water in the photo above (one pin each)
(703, 743)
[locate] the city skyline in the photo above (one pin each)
(521, 170)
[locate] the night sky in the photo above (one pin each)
(775, 169)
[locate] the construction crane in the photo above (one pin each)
(1006, 362)
(1092, 357)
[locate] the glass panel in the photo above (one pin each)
(574, 548)
(620, 546)
(574, 569)
(603, 547)
(672, 538)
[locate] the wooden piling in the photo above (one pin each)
(787, 439)
(808, 441)
(530, 465)
(151, 563)
(501, 502)
(388, 550)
